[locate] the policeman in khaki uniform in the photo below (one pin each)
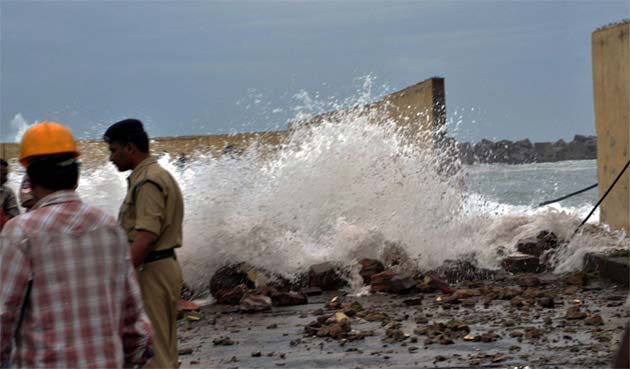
(152, 215)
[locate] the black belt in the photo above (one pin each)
(159, 255)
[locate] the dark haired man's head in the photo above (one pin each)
(128, 143)
(53, 173)
(128, 131)
(4, 171)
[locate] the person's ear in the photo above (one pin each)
(130, 148)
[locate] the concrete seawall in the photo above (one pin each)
(611, 93)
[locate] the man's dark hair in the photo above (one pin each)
(4, 163)
(128, 131)
(54, 172)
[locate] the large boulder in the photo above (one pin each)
(522, 152)
(432, 282)
(253, 303)
(290, 298)
(227, 278)
(463, 270)
(392, 282)
(484, 151)
(544, 152)
(537, 246)
(582, 147)
(466, 153)
(530, 246)
(265, 279)
(369, 267)
(230, 276)
(326, 276)
(501, 152)
(231, 296)
(522, 263)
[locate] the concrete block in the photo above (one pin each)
(613, 268)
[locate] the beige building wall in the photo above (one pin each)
(611, 91)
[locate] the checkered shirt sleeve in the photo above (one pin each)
(15, 273)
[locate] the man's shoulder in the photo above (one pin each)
(160, 176)
(96, 213)
(97, 221)
(156, 170)
(87, 213)
(14, 228)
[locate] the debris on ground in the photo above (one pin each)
(530, 317)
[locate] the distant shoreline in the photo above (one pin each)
(524, 151)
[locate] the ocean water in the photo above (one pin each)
(528, 185)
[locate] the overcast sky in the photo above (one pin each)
(513, 69)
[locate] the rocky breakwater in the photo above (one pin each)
(524, 151)
(254, 289)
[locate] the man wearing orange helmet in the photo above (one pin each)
(69, 296)
(152, 215)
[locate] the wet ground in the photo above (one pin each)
(522, 326)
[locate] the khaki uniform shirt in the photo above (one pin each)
(8, 202)
(153, 203)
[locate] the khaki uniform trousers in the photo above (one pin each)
(161, 284)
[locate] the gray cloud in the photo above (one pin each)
(524, 67)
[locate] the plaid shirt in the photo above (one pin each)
(84, 308)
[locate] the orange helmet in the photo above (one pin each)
(46, 138)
